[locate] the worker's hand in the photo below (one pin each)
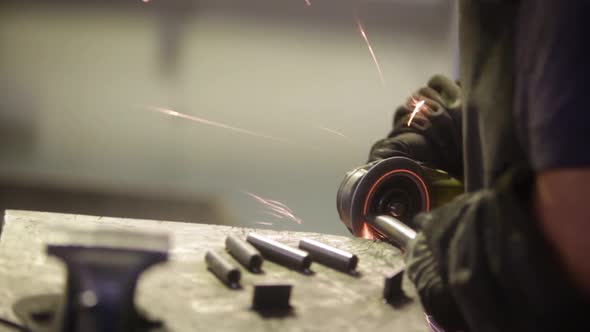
(434, 134)
(481, 261)
(435, 294)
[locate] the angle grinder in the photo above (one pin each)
(379, 200)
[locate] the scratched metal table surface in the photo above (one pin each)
(189, 298)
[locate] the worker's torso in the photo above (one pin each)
(489, 138)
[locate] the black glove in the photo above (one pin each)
(435, 295)
(482, 262)
(434, 135)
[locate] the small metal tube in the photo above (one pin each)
(329, 256)
(225, 271)
(280, 253)
(244, 253)
(393, 230)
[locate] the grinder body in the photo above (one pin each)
(379, 200)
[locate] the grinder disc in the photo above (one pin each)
(397, 186)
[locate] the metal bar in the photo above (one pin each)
(244, 253)
(393, 230)
(225, 271)
(280, 253)
(329, 256)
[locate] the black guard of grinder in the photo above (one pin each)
(379, 200)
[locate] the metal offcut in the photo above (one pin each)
(329, 256)
(394, 230)
(224, 270)
(393, 292)
(280, 253)
(272, 297)
(244, 253)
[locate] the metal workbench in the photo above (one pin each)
(189, 298)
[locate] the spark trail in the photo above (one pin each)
(432, 324)
(367, 233)
(364, 35)
(276, 208)
(214, 124)
(419, 105)
(332, 131)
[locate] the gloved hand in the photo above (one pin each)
(434, 135)
(482, 264)
(435, 294)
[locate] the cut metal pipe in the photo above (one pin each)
(244, 253)
(280, 253)
(224, 270)
(329, 256)
(393, 230)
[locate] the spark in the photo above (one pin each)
(214, 124)
(264, 223)
(432, 324)
(364, 35)
(273, 214)
(277, 203)
(308, 2)
(367, 233)
(416, 110)
(277, 209)
(332, 131)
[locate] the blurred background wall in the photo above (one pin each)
(79, 81)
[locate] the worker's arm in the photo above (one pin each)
(434, 134)
(553, 72)
(562, 206)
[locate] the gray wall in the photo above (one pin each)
(77, 78)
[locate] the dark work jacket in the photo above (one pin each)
(488, 246)
(490, 144)
(500, 269)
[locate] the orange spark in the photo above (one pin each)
(214, 124)
(277, 209)
(364, 35)
(415, 111)
(367, 232)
